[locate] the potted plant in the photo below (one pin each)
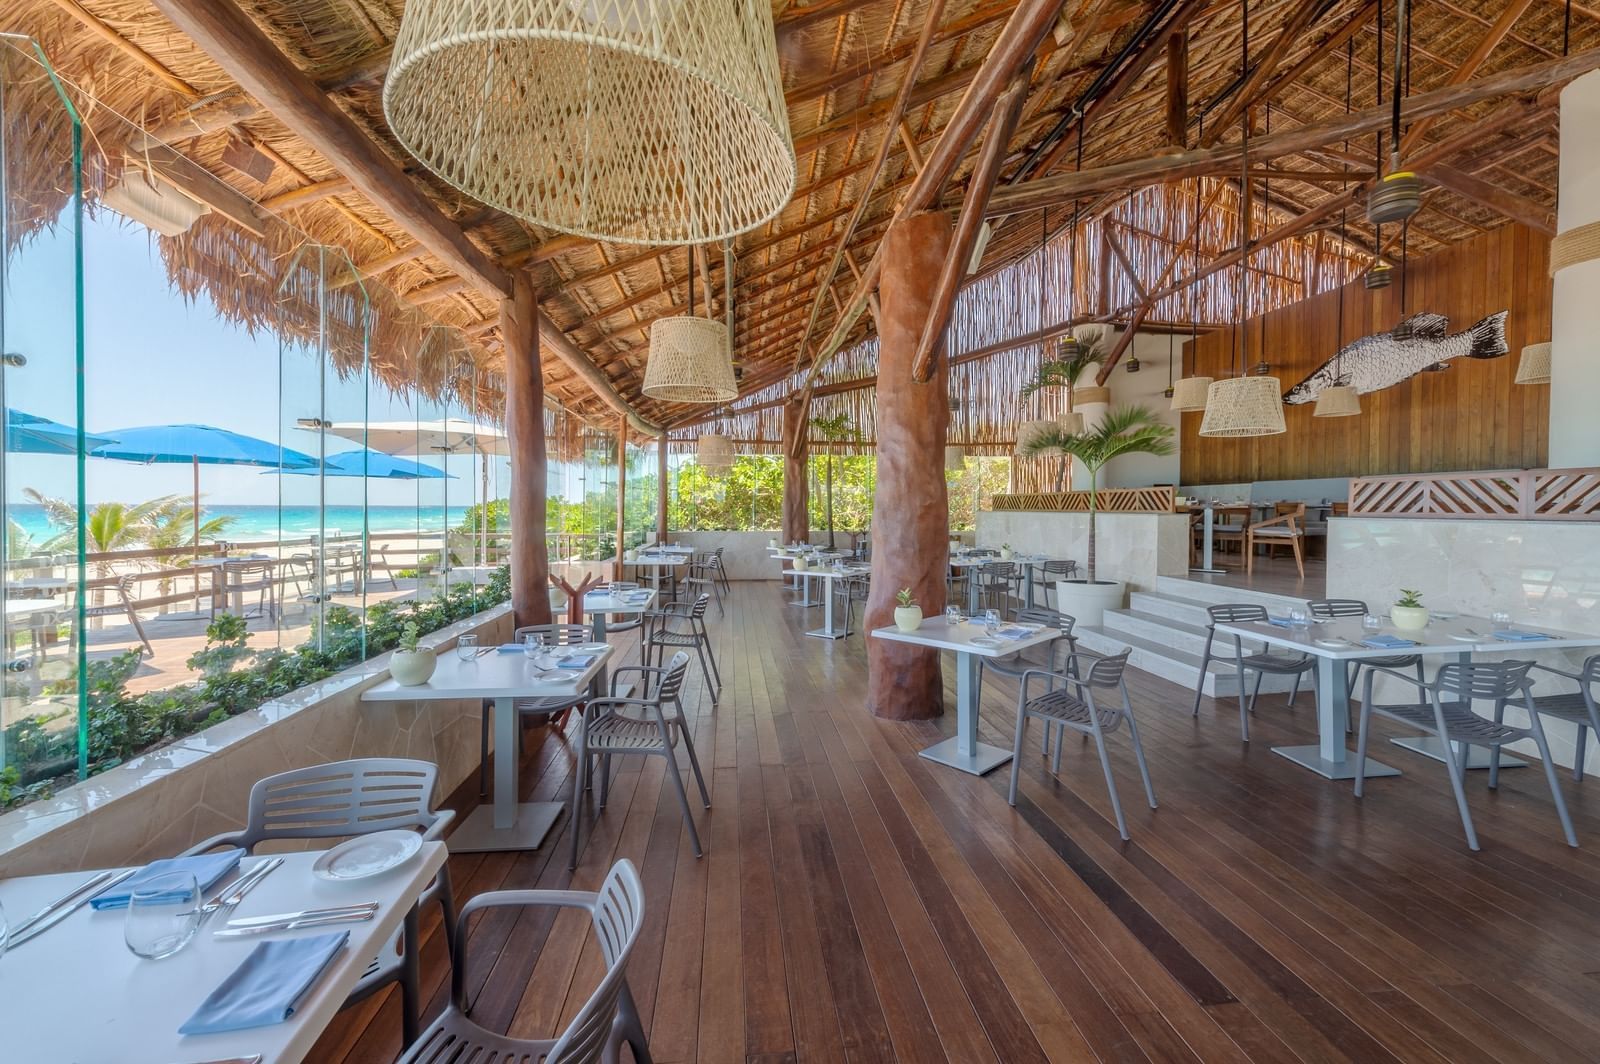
(1125, 430)
(1408, 612)
(411, 665)
(799, 563)
(1005, 552)
(1065, 371)
(907, 614)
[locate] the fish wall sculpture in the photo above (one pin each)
(1383, 360)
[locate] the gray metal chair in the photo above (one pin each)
(682, 625)
(714, 561)
(1260, 663)
(1328, 609)
(1072, 705)
(1049, 657)
(701, 579)
(605, 1022)
(1577, 707)
(1053, 571)
(551, 635)
(1454, 721)
(348, 798)
(995, 581)
(647, 726)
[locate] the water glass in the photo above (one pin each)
(1499, 621)
(163, 915)
(1371, 622)
(953, 615)
(1298, 618)
(466, 647)
(532, 645)
(991, 620)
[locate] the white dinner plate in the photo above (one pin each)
(368, 855)
(1461, 637)
(588, 648)
(561, 675)
(1331, 643)
(983, 641)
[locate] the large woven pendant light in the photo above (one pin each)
(634, 121)
(1534, 366)
(714, 451)
(1244, 405)
(1339, 399)
(689, 358)
(1189, 393)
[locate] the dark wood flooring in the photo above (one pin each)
(858, 903)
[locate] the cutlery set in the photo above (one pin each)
(66, 905)
(264, 925)
(229, 897)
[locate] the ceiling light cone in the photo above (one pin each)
(1189, 393)
(1244, 406)
(689, 362)
(635, 121)
(1071, 422)
(714, 451)
(1534, 366)
(1395, 198)
(1337, 400)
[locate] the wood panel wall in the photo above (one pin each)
(1470, 416)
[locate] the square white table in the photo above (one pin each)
(600, 602)
(503, 676)
(1024, 562)
(1459, 636)
(815, 560)
(829, 574)
(76, 993)
(656, 563)
(964, 751)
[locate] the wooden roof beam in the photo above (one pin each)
(1469, 66)
(1487, 194)
(1300, 19)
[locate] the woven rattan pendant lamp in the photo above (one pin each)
(1244, 405)
(1339, 399)
(635, 121)
(689, 358)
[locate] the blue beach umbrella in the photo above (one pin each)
(31, 434)
(374, 465)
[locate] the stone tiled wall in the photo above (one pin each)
(1133, 548)
(164, 801)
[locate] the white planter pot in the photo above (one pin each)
(1086, 602)
(411, 668)
(1005, 554)
(908, 618)
(1409, 618)
(800, 564)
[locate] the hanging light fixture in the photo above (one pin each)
(1534, 366)
(1397, 195)
(689, 358)
(714, 452)
(1168, 392)
(1244, 405)
(1339, 399)
(1189, 393)
(631, 121)
(1133, 365)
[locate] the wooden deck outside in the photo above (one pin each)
(858, 903)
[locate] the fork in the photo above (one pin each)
(230, 897)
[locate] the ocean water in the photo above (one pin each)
(265, 522)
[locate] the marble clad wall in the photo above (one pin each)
(165, 801)
(1543, 572)
(1134, 548)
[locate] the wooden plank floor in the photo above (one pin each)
(858, 903)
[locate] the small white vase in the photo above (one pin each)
(412, 668)
(630, 555)
(908, 618)
(772, 544)
(1005, 554)
(1409, 618)
(800, 564)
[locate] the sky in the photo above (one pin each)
(154, 358)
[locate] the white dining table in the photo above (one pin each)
(502, 676)
(600, 603)
(1024, 562)
(1336, 643)
(657, 563)
(828, 574)
(75, 993)
(963, 750)
(815, 560)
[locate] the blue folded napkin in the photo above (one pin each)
(1013, 632)
(1280, 622)
(1387, 642)
(510, 648)
(207, 869)
(1514, 635)
(265, 989)
(577, 661)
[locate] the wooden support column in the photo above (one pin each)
(910, 511)
(662, 495)
(530, 564)
(622, 491)
(796, 484)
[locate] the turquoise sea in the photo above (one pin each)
(266, 522)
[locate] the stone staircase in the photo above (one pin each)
(1166, 627)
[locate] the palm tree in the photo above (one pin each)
(109, 526)
(171, 525)
(1125, 430)
(1065, 372)
(832, 429)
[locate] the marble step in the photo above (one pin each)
(1206, 593)
(1159, 658)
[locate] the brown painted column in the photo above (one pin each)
(662, 495)
(622, 490)
(530, 564)
(796, 484)
(910, 513)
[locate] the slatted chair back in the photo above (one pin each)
(1482, 679)
(1107, 672)
(1591, 670)
(996, 572)
(617, 916)
(698, 611)
(554, 635)
(1047, 617)
(1333, 607)
(341, 798)
(1236, 613)
(670, 689)
(1061, 568)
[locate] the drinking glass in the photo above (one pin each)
(466, 647)
(1499, 621)
(991, 620)
(1371, 622)
(532, 645)
(163, 915)
(1298, 618)
(953, 615)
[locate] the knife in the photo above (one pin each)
(350, 917)
(59, 911)
(95, 881)
(308, 914)
(229, 899)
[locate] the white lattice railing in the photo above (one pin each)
(1513, 494)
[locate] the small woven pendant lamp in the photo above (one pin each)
(633, 121)
(689, 358)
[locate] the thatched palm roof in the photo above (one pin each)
(842, 62)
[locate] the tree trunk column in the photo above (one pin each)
(622, 491)
(661, 487)
(796, 487)
(530, 563)
(910, 513)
